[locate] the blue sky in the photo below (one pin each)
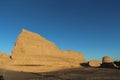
(88, 26)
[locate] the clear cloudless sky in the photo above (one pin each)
(88, 26)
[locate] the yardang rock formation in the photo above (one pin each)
(94, 63)
(32, 52)
(32, 49)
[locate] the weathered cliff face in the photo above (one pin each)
(32, 44)
(4, 59)
(32, 49)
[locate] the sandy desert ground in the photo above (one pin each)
(86, 73)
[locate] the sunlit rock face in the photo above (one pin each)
(94, 63)
(4, 59)
(107, 59)
(32, 49)
(107, 62)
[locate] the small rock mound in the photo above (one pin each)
(94, 63)
(107, 59)
(107, 62)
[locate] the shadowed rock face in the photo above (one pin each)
(32, 49)
(108, 65)
(117, 64)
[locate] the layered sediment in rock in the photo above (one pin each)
(4, 59)
(32, 49)
(107, 62)
(107, 59)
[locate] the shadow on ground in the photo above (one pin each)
(84, 64)
(86, 73)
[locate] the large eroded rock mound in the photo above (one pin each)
(32, 49)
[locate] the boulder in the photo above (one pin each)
(107, 59)
(94, 63)
(117, 63)
(107, 62)
(32, 49)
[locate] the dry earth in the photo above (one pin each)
(86, 73)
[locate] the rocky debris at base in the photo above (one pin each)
(117, 64)
(107, 62)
